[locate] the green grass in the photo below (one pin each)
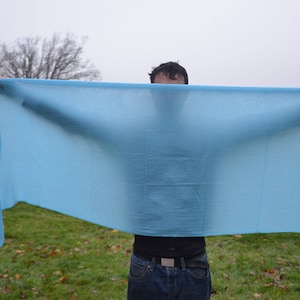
(47, 255)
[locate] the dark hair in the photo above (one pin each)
(170, 69)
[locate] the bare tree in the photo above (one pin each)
(54, 58)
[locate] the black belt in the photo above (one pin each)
(178, 262)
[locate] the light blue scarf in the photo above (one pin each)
(159, 160)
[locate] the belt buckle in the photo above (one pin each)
(167, 262)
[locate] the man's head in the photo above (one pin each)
(169, 100)
(169, 73)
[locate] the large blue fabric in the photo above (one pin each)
(153, 159)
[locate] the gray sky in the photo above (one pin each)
(220, 42)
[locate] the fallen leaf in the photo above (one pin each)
(115, 248)
(94, 292)
(59, 273)
(123, 281)
(63, 279)
(7, 290)
(283, 287)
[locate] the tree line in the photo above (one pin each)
(57, 57)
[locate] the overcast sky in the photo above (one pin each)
(220, 42)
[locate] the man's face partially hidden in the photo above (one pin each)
(168, 101)
(162, 78)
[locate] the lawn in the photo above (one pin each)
(47, 255)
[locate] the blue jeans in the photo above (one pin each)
(148, 280)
